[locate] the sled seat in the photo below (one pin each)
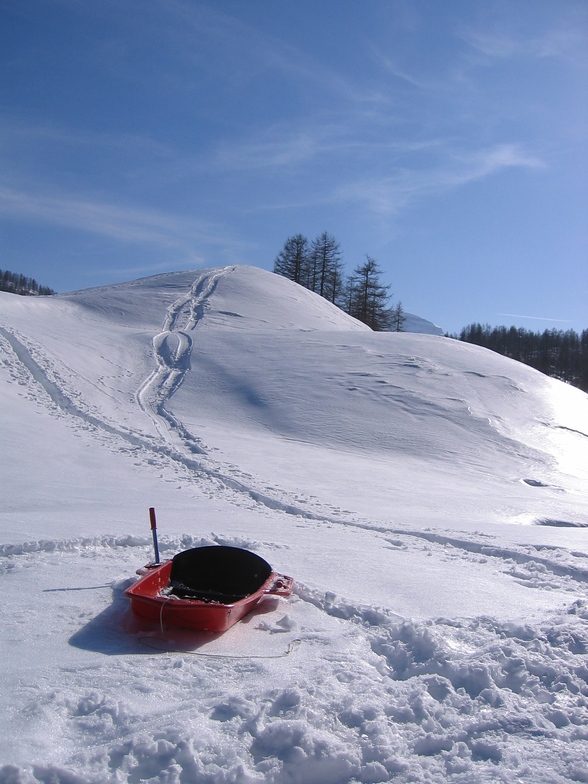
(217, 574)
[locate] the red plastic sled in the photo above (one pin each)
(206, 588)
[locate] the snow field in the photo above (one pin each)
(363, 695)
(427, 496)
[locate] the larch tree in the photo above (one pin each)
(368, 298)
(326, 267)
(293, 260)
(397, 318)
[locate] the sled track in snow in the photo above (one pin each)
(168, 546)
(508, 554)
(172, 348)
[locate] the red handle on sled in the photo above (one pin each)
(281, 586)
(154, 533)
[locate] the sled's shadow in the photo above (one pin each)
(116, 632)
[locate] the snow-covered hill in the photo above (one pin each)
(417, 324)
(428, 496)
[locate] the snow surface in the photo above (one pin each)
(428, 496)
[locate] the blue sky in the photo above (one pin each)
(447, 140)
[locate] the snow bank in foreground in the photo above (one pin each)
(317, 689)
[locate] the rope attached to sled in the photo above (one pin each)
(148, 642)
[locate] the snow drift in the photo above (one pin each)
(427, 495)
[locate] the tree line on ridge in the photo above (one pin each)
(557, 353)
(318, 266)
(16, 283)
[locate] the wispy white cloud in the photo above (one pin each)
(558, 43)
(49, 157)
(241, 51)
(488, 161)
(564, 37)
(535, 318)
(389, 194)
(128, 224)
(277, 151)
(389, 64)
(336, 143)
(16, 132)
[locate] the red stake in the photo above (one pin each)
(154, 533)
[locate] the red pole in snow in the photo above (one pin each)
(154, 533)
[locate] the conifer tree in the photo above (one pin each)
(292, 261)
(326, 267)
(397, 318)
(367, 297)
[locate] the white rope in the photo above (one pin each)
(166, 599)
(147, 641)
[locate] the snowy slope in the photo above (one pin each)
(428, 496)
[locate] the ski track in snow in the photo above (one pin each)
(172, 348)
(544, 567)
(162, 448)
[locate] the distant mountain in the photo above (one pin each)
(417, 324)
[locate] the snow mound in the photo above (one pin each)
(238, 297)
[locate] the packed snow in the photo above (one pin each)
(428, 497)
